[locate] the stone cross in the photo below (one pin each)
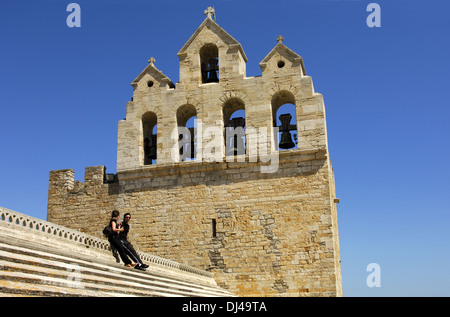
(210, 12)
(151, 60)
(280, 39)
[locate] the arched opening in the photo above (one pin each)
(209, 61)
(187, 130)
(284, 120)
(149, 128)
(234, 125)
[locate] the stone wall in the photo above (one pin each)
(275, 234)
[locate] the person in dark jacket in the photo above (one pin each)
(128, 247)
(114, 238)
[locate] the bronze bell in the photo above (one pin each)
(212, 71)
(286, 137)
(286, 140)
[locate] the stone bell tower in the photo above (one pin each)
(221, 171)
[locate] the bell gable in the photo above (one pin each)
(210, 49)
(282, 58)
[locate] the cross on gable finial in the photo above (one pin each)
(280, 39)
(210, 12)
(151, 61)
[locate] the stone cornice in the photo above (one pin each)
(178, 168)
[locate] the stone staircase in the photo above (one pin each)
(38, 258)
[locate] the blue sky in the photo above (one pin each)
(63, 91)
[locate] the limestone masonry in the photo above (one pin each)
(245, 191)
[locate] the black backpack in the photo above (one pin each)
(107, 231)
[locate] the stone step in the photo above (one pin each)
(11, 288)
(83, 286)
(39, 258)
(50, 272)
(64, 255)
(42, 275)
(93, 272)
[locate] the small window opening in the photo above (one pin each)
(187, 130)
(235, 134)
(214, 228)
(188, 152)
(209, 61)
(234, 120)
(149, 127)
(150, 83)
(281, 64)
(284, 120)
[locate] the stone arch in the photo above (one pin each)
(233, 94)
(149, 137)
(233, 110)
(186, 132)
(184, 113)
(209, 63)
(287, 136)
(280, 98)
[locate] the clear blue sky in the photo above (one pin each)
(386, 91)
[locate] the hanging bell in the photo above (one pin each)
(286, 140)
(286, 137)
(212, 71)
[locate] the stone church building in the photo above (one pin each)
(220, 171)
